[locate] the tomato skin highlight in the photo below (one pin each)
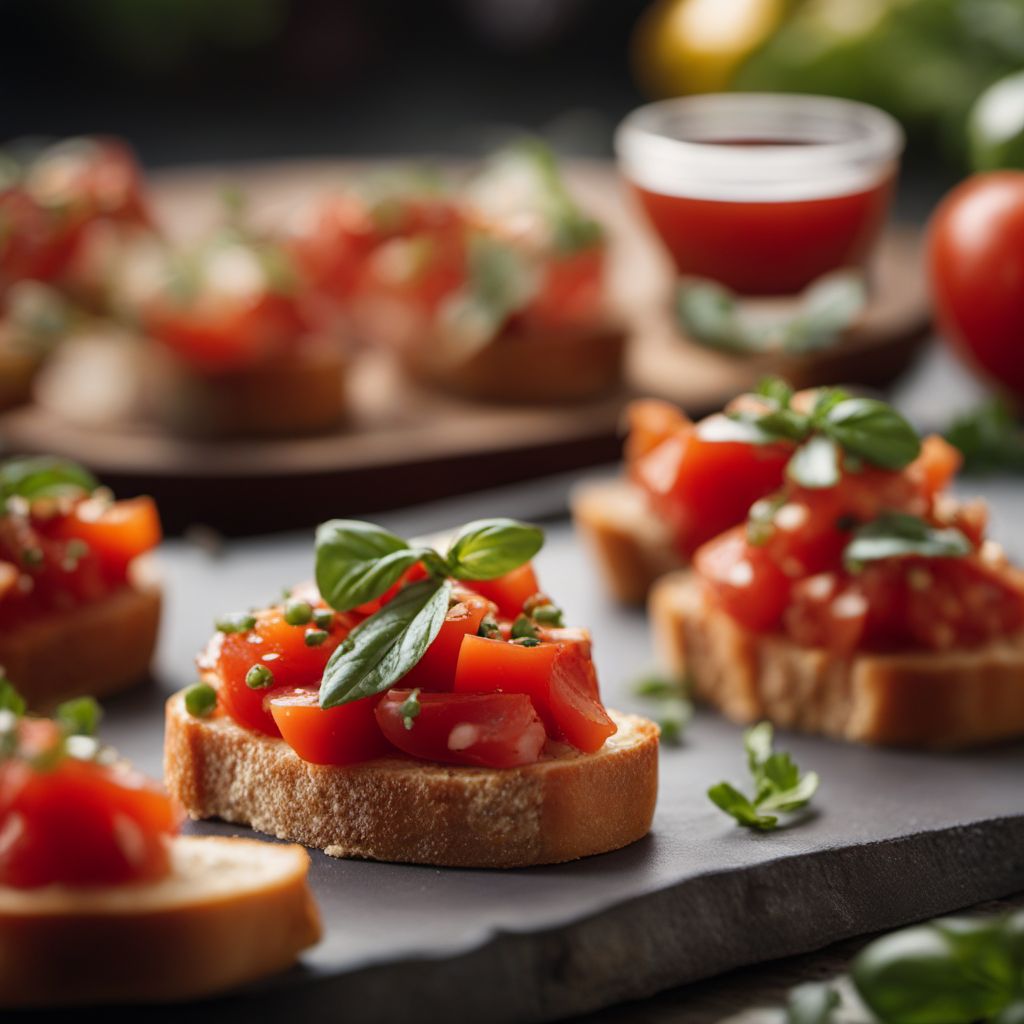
(975, 254)
(82, 824)
(489, 730)
(509, 592)
(346, 734)
(118, 533)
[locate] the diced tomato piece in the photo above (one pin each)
(436, 669)
(744, 580)
(117, 532)
(491, 730)
(509, 592)
(652, 421)
(571, 291)
(82, 824)
(280, 647)
(828, 611)
(700, 486)
(347, 734)
(558, 677)
(936, 466)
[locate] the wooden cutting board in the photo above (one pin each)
(893, 837)
(397, 429)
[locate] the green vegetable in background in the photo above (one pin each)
(989, 438)
(951, 971)
(995, 129)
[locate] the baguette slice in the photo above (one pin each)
(531, 367)
(231, 911)
(399, 809)
(946, 700)
(97, 649)
(631, 546)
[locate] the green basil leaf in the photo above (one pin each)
(896, 535)
(1012, 1013)
(734, 803)
(792, 799)
(709, 315)
(739, 427)
(776, 390)
(384, 647)
(757, 742)
(955, 971)
(43, 476)
(826, 400)
(874, 431)
(488, 548)
(989, 438)
(357, 562)
(815, 464)
(79, 717)
(827, 309)
(812, 1003)
(10, 699)
(673, 716)
(785, 423)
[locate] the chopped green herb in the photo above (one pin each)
(673, 716)
(236, 622)
(779, 786)
(489, 629)
(656, 686)
(298, 613)
(323, 618)
(200, 700)
(527, 641)
(259, 677)
(79, 717)
(523, 628)
(896, 535)
(549, 615)
(315, 637)
(410, 709)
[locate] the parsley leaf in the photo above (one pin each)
(779, 786)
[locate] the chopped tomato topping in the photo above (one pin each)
(70, 551)
(436, 669)
(571, 291)
(279, 647)
(346, 734)
(509, 592)
(559, 679)
(80, 823)
(491, 730)
(699, 484)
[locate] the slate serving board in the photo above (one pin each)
(895, 836)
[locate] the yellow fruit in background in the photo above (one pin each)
(687, 46)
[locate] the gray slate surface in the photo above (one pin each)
(895, 836)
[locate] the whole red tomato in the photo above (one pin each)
(976, 265)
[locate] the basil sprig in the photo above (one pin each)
(42, 476)
(897, 535)
(862, 429)
(779, 786)
(357, 562)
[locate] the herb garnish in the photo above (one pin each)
(673, 711)
(410, 709)
(897, 535)
(236, 622)
(778, 785)
(10, 699)
(200, 700)
(42, 476)
(259, 677)
(357, 562)
(989, 438)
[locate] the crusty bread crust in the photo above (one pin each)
(527, 366)
(231, 911)
(97, 649)
(299, 393)
(399, 809)
(631, 546)
(17, 374)
(948, 700)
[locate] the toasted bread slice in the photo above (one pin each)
(527, 366)
(231, 911)
(400, 809)
(97, 649)
(17, 372)
(299, 393)
(631, 546)
(947, 699)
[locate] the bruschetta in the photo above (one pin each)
(491, 290)
(413, 706)
(79, 607)
(233, 350)
(101, 901)
(857, 598)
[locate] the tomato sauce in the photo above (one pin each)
(768, 247)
